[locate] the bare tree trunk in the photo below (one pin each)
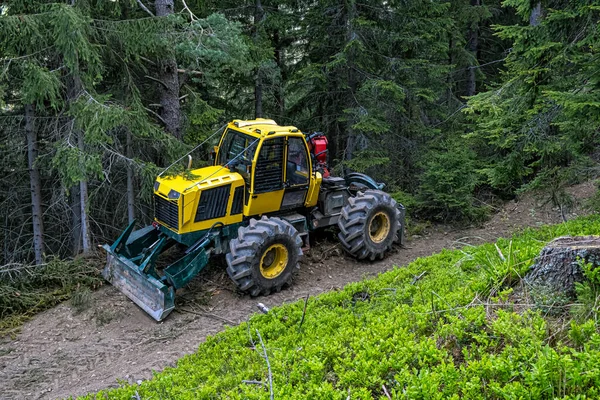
(7, 252)
(74, 88)
(76, 219)
(449, 80)
(473, 45)
(258, 85)
(352, 84)
(35, 183)
(536, 14)
(83, 200)
(130, 192)
(169, 87)
(279, 59)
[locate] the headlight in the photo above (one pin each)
(156, 186)
(173, 195)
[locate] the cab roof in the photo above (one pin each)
(260, 127)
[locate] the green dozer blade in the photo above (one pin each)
(131, 268)
(153, 296)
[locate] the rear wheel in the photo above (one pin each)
(369, 224)
(264, 256)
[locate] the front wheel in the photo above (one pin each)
(264, 256)
(369, 224)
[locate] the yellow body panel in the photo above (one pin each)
(190, 188)
(264, 203)
(313, 190)
(187, 189)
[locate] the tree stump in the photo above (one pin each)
(558, 267)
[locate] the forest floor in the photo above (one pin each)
(63, 352)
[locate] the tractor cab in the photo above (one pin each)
(274, 162)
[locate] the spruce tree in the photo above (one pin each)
(86, 67)
(537, 127)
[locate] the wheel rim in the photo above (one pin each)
(273, 261)
(379, 227)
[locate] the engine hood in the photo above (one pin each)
(194, 180)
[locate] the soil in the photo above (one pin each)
(63, 352)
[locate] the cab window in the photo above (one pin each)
(236, 144)
(268, 175)
(297, 162)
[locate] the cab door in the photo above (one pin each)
(267, 189)
(297, 173)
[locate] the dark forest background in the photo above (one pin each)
(455, 104)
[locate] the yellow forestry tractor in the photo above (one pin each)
(268, 189)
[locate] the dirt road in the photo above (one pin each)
(61, 352)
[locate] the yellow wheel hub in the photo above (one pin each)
(273, 261)
(379, 227)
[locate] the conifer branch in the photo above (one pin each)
(185, 7)
(92, 99)
(189, 71)
(143, 7)
(156, 115)
(157, 80)
(128, 160)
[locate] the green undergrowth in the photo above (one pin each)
(26, 290)
(446, 326)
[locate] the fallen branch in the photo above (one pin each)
(418, 277)
(254, 383)
(207, 315)
(303, 311)
(386, 392)
(499, 252)
(324, 252)
(266, 357)
(263, 309)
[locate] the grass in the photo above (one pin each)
(440, 328)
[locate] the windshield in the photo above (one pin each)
(237, 143)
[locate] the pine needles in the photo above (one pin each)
(26, 290)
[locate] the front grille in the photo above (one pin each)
(166, 212)
(213, 203)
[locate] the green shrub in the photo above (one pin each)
(588, 294)
(447, 185)
(429, 338)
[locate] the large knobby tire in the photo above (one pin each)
(264, 256)
(369, 224)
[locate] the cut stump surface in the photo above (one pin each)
(558, 267)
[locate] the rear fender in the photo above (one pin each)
(363, 181)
